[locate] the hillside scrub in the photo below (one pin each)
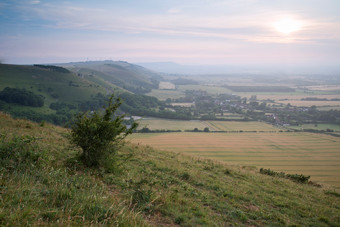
(155, 188)
(98, 134)
(22, 97)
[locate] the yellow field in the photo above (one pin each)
(244, 126)
(316, 155)
(158, 124)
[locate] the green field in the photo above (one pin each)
(164, 94)
(159, 124)
(311, 154)
(317, 127)
(208, 88)
(180, 91)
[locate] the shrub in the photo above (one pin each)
(100, 133)
(300, 178)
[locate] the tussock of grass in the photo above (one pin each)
(153, 188)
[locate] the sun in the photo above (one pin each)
(287, 25)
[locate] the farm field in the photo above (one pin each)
(311, 154)
(158, 123)
(310, 103)
(180, 91)
(317, 127)
(208, 88)
(239, 125)
(183, 104)
(326, 108)
(324, 87)
(164, 94)
(289, 95)
(166, 86)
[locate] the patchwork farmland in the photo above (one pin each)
(311, 154)
(158, 123)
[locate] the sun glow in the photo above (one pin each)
(287, 26)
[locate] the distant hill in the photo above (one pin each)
(56, 93)
(59, 88)
(128, 76)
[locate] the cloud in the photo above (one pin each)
(251, 26)
(212, 29)
(175, 10)
(34, 2)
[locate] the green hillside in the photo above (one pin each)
(65, 93)
(55, 85)
(128, 76)
(42, 184)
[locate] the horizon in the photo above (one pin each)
(235, 33)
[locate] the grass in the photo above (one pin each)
(153, 188)
(46, 191)
(310, 154)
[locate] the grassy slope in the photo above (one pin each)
(156, 188)
(117, 73)
(45, 82)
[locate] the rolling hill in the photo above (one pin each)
(82, 86)
(128, 76)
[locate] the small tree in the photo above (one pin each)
(99, 133)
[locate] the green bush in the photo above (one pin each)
(300, 178)
(100, 133)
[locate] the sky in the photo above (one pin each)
(195, 32)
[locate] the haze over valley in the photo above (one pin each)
(170, 113)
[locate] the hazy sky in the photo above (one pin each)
(188, 32)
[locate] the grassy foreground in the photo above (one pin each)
(41, 183)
